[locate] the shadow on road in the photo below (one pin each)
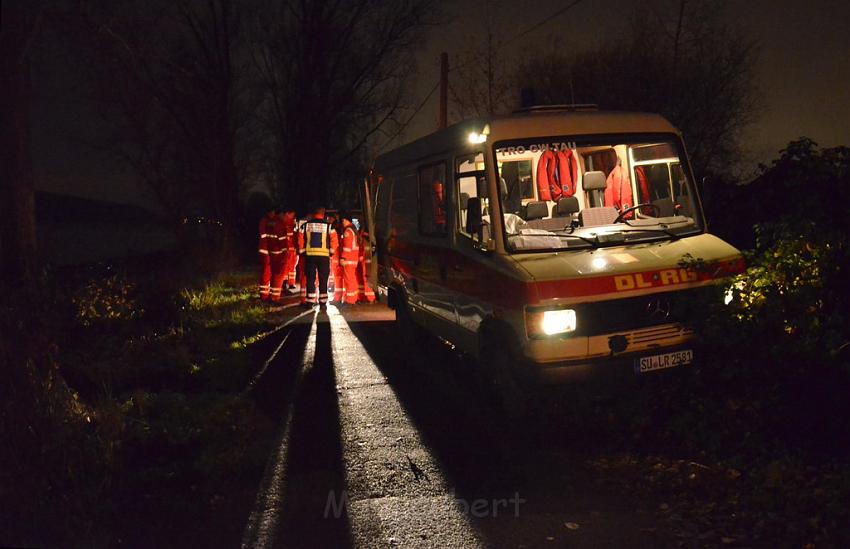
(488, 457)
(439, 392)
(314, 469)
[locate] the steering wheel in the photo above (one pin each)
(655, 208)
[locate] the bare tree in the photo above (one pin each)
(169, 83)
(33, 396)
(679, 58)
(334, 75)
(17, 200)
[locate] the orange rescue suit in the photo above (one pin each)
(270, 249)
(349, 258)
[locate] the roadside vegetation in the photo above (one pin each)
(159, 437)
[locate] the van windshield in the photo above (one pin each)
(580, 192)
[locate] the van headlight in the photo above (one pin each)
(550, 322)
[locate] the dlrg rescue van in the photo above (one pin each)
(548, 243)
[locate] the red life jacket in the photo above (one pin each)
(557, 175)
(618, 189)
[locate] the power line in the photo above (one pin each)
(516, 37)
(536, 26)
(415, 112)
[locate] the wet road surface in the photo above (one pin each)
(384, 446)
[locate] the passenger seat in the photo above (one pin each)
(594, 184)
(536, 210)
(593, 217)
(566, 207)
(536, 213)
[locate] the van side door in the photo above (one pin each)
(471, 271)
(433, 242)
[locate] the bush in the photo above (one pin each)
(780, 351)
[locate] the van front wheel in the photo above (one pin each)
(501, 365)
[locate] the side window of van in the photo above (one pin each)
(432, 200)
(382, 208)
(470, 183)
(403, 206)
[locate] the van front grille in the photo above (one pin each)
(634, 314)
(656, 335)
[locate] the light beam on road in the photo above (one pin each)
(396, 490)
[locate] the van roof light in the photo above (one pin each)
(572, 107)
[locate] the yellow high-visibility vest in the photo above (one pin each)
(317, 240)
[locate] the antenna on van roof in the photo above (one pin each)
(572, 107)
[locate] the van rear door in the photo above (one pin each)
(368, 194)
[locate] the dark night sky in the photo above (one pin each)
(803, 74)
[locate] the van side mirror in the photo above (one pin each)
(705, 187)
(481, 187)
(473, 215)
(476, 225)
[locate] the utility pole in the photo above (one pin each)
(444, 89)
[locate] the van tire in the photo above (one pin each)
(502, 367)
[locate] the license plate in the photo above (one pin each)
(660, 362)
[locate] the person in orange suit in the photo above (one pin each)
(268, 244)
(336, 263)
(364, 264)
(277, 256)
(349, 259)
(290, 256)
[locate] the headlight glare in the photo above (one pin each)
(559, 322)
(551, 322)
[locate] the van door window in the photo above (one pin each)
(432, 200)
(403, 208)
(467, 187)
(470, 182)
(681, 195)
(653, 182)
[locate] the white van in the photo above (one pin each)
(549, 243)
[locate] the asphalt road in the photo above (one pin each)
(385, 446)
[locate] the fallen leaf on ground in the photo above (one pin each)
(571, 525)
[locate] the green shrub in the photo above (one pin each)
(778, 366)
